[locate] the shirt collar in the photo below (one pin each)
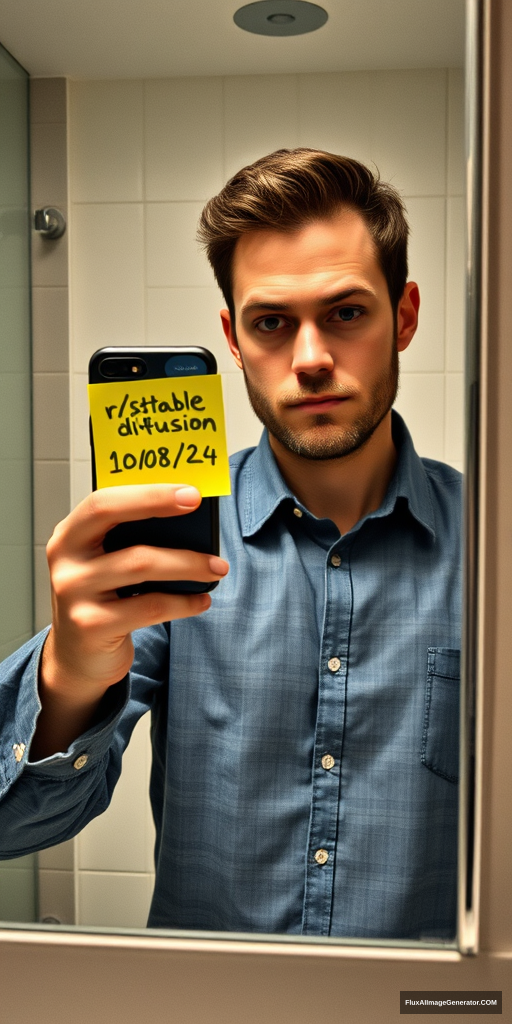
(262, 489)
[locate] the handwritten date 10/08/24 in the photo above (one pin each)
(161, 457)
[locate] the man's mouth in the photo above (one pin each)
(318, 403)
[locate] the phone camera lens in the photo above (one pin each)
(116, 368)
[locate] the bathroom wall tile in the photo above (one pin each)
(16, 618)
(116, 840)
(58, 858)
(51, 416)
(50, 320)
(455, 284)
(188, 316)
(107, 267)
(454, 417)
(18, 895)
(48, 163)
(81, 484)
(49, 261)
(106, 141)
(14, 329)
(243, 428)
(409, 130)
(48, 100)
(13, 644)
(421, 403)
(42, 598)
(111, 899)
(427, 268)
(335, 113)
(80, 418)
(51, 497)
(456, 154)
(183, 138)
(261, 115)
(173, 257)
(15, 500)
(56, 896)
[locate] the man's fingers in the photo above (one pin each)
(117, 619)
(87, 524)
(104, 575)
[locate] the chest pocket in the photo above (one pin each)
(440, 744)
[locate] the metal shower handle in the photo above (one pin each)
(49, 222)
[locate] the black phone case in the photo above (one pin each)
(196, 531)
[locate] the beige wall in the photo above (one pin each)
(143, 158)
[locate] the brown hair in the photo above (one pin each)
(291, 187)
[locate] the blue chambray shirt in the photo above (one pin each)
(305, 728)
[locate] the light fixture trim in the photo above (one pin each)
(265, 17)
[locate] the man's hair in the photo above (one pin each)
(293, 187)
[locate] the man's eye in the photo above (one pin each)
(348, 313)
(270, 323)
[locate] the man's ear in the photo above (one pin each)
(407, 315)
(229, 331)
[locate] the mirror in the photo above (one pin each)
(144, 156)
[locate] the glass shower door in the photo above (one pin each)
(18, 877)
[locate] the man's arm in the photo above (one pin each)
(89, 647)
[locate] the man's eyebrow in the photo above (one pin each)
(347, 293)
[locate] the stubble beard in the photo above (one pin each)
(318, 442)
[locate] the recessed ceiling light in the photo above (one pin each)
(280, 17)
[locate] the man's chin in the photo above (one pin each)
(329, 446)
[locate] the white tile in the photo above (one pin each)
(183, 138)
(81, 484)
(173, 256)
(335, 113)
(107, 279)
(421, 403)
(117, 839)
(261, 115)
(427, 268)
(456, 153)
(114, 900)
(455, 283)
(106, 141)
(188, 316)
(454, 421)
(409, 130)
(243, 428)
(80, 446)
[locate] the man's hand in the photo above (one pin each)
(89, 646)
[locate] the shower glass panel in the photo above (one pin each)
(17, 877)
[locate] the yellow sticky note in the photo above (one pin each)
(168, 430)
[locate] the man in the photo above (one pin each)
(305, 726)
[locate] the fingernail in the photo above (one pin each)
(187, 497)
(218, 565)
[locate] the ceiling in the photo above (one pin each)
(165, 38)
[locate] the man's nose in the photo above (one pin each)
(311, 353)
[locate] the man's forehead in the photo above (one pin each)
(318, 251)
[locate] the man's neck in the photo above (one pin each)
(344, 489)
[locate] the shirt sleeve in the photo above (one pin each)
(46, 802)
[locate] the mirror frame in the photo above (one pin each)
(477, 115)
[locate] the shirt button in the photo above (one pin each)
(328, 762)
(297, 512)
(321, 856)
(334, 664)
(335, 560)
(18, 751)
(80, 761)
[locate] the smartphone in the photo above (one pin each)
(196, 531)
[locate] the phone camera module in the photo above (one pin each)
(116, 368)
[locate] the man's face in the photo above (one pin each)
(315, 334)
